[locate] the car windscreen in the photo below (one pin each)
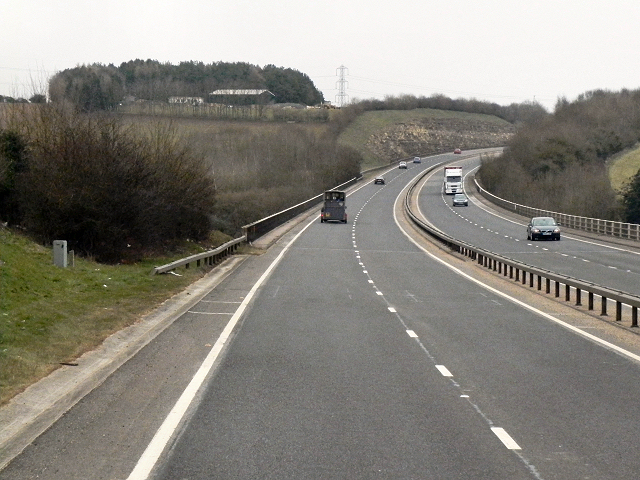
(544, 222)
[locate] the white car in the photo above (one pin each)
(402, 165)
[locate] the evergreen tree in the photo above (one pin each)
(631, 200)
(12, 164)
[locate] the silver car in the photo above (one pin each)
(460, 200)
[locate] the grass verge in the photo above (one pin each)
(50, 315)
(623, 169)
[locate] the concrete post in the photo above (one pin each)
(60, 253)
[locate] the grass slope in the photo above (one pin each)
(50, 315)
(624, 168)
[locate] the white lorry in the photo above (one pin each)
(452, 180)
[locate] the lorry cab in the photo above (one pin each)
(334, 207)
(452, 180)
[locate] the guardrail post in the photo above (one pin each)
(548, 281)
(557, 289)
(567, 293)
(510, 271)
(618, 311)
(539, 282)
(578, 296)
(591, 300)
(634, 316)
(603, 306)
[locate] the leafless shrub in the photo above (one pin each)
(268, 167)
(106, 188)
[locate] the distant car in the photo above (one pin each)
(379, 181)
(460, 200)
(543, 227)
(402, 165)
(457, 150)
(417, 160)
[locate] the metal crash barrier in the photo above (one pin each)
(552, 283)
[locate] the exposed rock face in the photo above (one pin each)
(435, 135)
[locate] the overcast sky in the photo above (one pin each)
(503, 51)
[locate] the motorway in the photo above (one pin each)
(359, 351)
(591, 259)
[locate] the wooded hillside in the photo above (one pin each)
(101, 87)
(560, 162)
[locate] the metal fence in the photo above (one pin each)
(210, 257)
(593, 225)
(251, 232)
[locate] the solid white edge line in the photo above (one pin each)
(505, 438)
(154, 450)
(531, 308)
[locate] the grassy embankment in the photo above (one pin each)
(624, 168)
(50, 315)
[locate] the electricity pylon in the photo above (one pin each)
(342, 98)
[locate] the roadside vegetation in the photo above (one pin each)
(129, 193)
(561, 163)
(624, 174)
(387, 135)
(113, 192)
